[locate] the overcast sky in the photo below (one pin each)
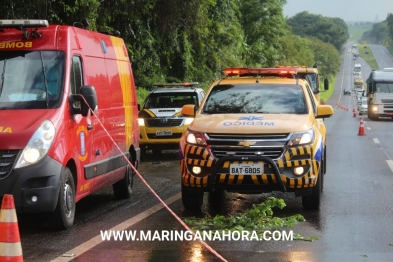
(348, 10)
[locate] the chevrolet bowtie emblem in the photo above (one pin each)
(246, 143)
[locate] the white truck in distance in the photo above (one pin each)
(380, 93)
(357, 68)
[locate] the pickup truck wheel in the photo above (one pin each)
(64, 214)
(322, 181)
(191, 200)
(313, 201)
(156, 151)
(123, 188)
(216, 197)
(143, 150)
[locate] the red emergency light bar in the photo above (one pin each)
(259, 71)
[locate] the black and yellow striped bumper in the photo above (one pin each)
(278, 174)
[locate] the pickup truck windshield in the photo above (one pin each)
(256, 98)
(170, 100)
(31, 79)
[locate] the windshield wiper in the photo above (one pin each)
(2, 77)
(45, 82)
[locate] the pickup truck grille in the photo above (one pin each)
(7, 159)
(269, 145)
(272, 153)
(164, 122)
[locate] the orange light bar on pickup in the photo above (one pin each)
(259, 71)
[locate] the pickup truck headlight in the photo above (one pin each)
(301, 138)
(188, 121)
(196, 138)
(38, 145)
(141, 122)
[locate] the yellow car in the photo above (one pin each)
(257, 130)
(160, 121)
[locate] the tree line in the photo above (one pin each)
(194, 40)
(380, 33)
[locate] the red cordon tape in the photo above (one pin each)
(154, 193)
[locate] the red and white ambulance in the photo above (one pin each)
(68, 117)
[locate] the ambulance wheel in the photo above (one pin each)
(64, 214)
(123, 188)
(313, 201)
(192, 200)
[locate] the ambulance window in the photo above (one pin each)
(76, 80)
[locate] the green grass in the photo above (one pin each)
(367, 55)
(325, 95)
(356, 32)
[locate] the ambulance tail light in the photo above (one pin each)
(38, 145)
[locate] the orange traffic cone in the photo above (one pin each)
(361, 128)
(354, 112)
(10, 246)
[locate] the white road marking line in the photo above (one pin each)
(390, 164)
(376, 141)
(368, 128)
(122, 226)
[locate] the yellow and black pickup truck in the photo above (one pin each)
(256, 131)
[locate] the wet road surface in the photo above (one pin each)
(353, 224)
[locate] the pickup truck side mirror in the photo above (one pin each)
(326, 84)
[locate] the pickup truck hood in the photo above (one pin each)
(17, 126)
(251, 123)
